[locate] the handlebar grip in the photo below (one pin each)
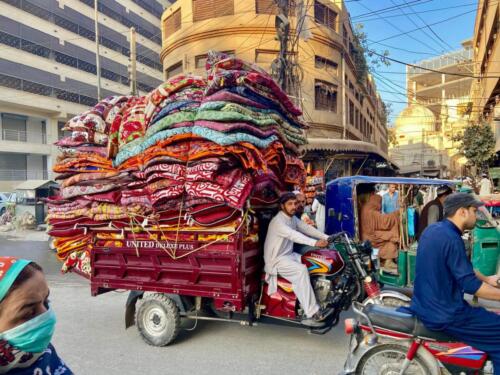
(333, 237)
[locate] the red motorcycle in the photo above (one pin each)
(385, 341)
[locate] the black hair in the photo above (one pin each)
(23, 276)
(287, 197)
(366, 189)
(446, 191)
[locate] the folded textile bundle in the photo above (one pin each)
(194, 153)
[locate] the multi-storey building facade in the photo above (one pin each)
(486, 90)
(48, 71)
(439, 108)
(335, 101)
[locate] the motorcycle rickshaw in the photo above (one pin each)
(485, 254)
(344, 197)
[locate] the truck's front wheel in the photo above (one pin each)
(157, 319)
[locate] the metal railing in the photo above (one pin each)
(22, 175)
(23, 136)
(452, 58)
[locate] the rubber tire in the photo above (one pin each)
(171, 313)
(398, 348)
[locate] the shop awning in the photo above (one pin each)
(35, 184)
(413, 169)
(343, 145)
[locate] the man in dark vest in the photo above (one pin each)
(433, 211)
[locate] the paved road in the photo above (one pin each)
(91, 337)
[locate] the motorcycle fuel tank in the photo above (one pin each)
(323, 262)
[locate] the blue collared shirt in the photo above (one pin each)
(443, 275)
(390, 204)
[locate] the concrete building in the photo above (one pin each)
(439, 109)
(334, 101)
(48, 71)
(486, 90)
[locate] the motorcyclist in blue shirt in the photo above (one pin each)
(444, 274)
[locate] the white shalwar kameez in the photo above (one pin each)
(280, 259)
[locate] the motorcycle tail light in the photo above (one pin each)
(350, 326)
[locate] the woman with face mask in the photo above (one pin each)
(27, 322)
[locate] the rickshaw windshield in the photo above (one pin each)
(484, 218)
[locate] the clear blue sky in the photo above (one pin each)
(451, 22)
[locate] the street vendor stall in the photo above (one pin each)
(29, 198)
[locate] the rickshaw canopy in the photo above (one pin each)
(340, 194)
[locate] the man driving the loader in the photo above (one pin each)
(284, 230)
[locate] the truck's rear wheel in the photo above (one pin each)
(158, 319)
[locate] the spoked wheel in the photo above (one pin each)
(158, 319)
(388, 360)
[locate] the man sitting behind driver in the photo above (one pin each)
(284, 230)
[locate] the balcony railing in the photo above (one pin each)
(452, 58)
(23, 136)
(22, 175)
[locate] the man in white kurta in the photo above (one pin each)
(284, 230)
(485, 185)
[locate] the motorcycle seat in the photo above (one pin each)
(391, 319)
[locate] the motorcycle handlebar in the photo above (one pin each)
(336, 236)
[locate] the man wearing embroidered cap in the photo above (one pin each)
(27, 322)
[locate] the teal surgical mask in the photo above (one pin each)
(34, 335)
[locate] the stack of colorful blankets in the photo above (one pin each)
(195, 153)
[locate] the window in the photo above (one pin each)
(174, 70)
(66, 59)
(345, 107)
(172, 23)
(351, 112)
(325, 96)
(326, 64)
(12, 166)
(345, 36)
(35, 49)
(206, 9)
(270, 7)
(324, 15)
(201, 60)
(488, 51)
(14, 127)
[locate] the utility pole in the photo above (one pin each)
(133, 65)
(344, 100)
(422, 150)
(283, 30)
(97, 55)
